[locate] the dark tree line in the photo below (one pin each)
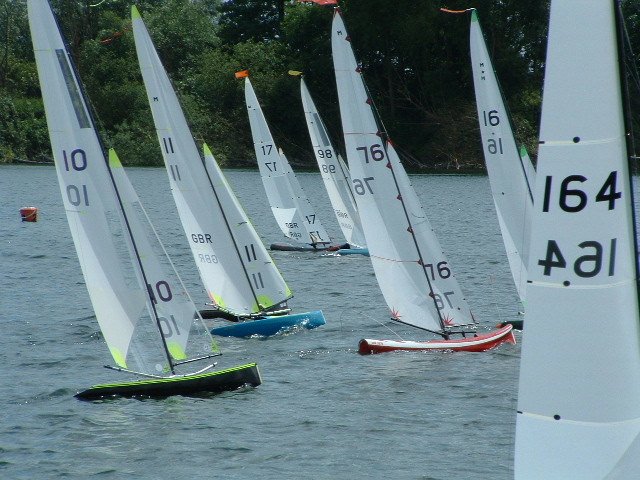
(414, 57)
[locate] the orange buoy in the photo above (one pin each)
(29, 214)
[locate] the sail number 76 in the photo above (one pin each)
(359, 185)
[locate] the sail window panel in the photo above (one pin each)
(72, 89)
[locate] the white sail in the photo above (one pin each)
(269, 286)
(413, 274)
(174, 308)
(334, 172)
(579, 395)
(294, 213)
(216, 244)
(103, 238)
(509, 173)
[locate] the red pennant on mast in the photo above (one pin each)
(242, 74)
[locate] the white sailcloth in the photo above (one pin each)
(103, 237)
(173, 305)
(413, 273)
(510, 174)
(293, 212)
(579, 396)
(217, 244)
(265, 278)
(334, 172)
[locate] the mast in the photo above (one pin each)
(233, 238)
(384, 136)
(138, 262)
(397, 259)
(628, 122)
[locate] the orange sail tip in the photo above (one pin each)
(446, 10)
(295, 73)
(242, 74)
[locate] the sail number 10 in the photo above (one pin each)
(76, 161)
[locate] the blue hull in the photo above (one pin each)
(301, 247)
(353, 251)
(268, 326)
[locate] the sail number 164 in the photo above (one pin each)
(572, 199)
(596, 256)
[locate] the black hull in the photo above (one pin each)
(205, 383)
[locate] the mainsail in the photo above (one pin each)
(334, 172)
(237, 272)
(412, 271)
(579, 397)
(143, 310)
(292, 210)
(511, 174)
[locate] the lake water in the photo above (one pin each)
(323, 411)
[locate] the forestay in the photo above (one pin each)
(334, 172)
(511, 175)
(579, 396)
(120, 290)
(292, 210)
(413, 273)
(235, 269)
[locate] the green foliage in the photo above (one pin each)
(415, 60)
(245, 20)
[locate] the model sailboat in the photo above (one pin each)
(149, 323)
(415, 278)
(579, 397)
(293, 212)
(239, 275)
(511, 173)
(335, 176)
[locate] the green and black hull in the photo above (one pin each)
(198, 384)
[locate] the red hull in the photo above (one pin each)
(478, 343)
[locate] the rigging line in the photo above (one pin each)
(384, 137)
(184, 288)
(628, 127)
(89, 108)
(233, 239)
(386, 326)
